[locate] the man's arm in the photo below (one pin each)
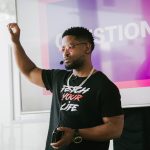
(26, 66)
(112, 128)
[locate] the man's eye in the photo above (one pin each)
(62, 49)
(70, 47)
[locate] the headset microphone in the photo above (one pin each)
(61, 62)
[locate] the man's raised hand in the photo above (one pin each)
(14, 31)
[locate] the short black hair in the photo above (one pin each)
(80, 33)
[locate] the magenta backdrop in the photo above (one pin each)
(121, 30)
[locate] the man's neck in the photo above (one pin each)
(83, 72)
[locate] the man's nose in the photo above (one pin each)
(66, 52)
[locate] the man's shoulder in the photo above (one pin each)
(101, 75)
(55, 72)
(105, 80)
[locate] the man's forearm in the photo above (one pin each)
(23, 61)
(104, 132)
(98, 133)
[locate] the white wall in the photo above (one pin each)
(14, 135)
(29, 135)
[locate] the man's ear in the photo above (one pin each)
(88, 48)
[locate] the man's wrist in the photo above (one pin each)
(16, 42)
(77, 138)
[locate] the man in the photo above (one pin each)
(86, 104)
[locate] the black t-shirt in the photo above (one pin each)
(80, 107)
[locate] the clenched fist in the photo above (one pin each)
(14, 32)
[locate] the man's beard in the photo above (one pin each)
(75, 65)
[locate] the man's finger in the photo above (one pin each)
(10, 30)
(53, 145)
(62, 128)
(13, 25)
(58, 144)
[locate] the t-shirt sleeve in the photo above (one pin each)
(47, 77)
(110, 100)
